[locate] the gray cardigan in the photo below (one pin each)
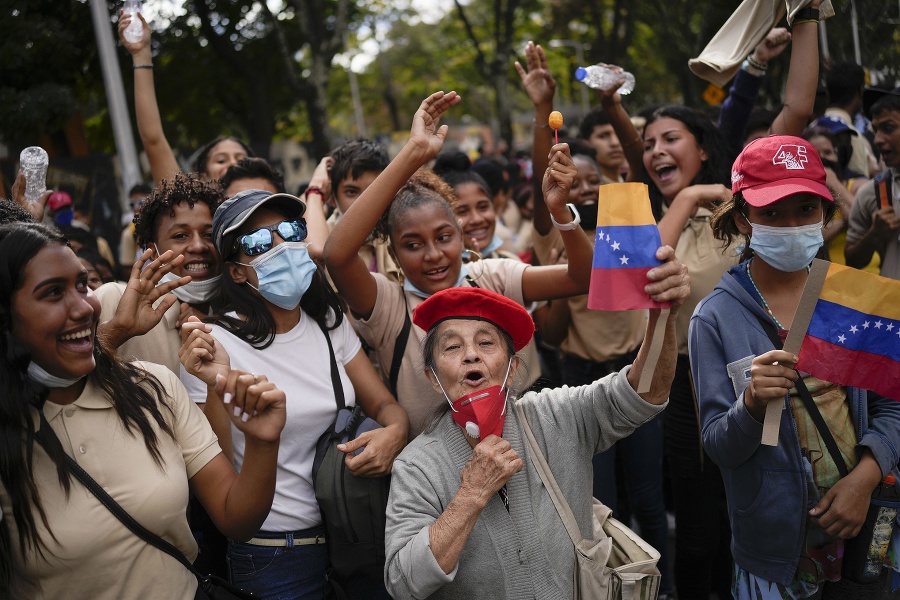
(525, 553)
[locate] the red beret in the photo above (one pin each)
(480, 304)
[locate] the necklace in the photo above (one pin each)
(763, 298)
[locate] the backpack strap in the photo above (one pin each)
(336, 382)
(883, 190)
(810, 404)
(400, 347)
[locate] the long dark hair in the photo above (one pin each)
(137, 396)
(255, 325)
(719, 153)
(203, 153)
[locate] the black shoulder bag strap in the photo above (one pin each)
(113, 506)
(400, 347)
(335, 374)
(810, 404)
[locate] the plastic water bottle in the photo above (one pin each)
(604, 77)
(33, 163)
(135, 30)
(865, 554)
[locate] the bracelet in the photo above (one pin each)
(536, 124)
(805, 21)
(756, 64)
(576, 219)
(805, 15)
(315, 190)
(150, 66)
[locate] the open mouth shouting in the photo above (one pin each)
(474, 378)
(79, 340)
(198, 269)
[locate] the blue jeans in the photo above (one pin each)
(281, 572)
(643, 456)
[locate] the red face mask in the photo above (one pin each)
(482, 412)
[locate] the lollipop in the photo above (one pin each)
(556, 121)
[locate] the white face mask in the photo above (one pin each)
(195, 292)
(787, 249)
(38, 374)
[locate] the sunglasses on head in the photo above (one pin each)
(260, 240)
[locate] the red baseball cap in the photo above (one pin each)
(58, 200)
(772, 168)
(479, 304)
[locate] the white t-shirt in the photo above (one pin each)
(298, 363)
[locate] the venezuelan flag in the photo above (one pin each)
(624, 249)
(853, 336)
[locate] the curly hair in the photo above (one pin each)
(10, 212)
(719, 153)
(184, 187)
(423, 187)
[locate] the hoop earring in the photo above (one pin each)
(470, 253)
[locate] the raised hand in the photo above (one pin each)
(426, 132)
(321, 178)
(557, 182)
(134, 47)
(200, 353)
(671, 281)
(772, 45)
(144, 302)
(491, 466)
(253, 403)
(537, 80)
(611, 97)
(35, 209)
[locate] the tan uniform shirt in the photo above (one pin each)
(94, 557)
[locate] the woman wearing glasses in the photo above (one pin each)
(278, 311)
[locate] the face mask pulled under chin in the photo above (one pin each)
(787, 249)
(195, 292)
(483, 412)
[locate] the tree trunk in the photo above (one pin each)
(317, 112)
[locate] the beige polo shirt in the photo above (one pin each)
(593, 335)
(94, 557)
(380, 331)
(160, 345)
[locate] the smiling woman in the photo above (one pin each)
(130, 425)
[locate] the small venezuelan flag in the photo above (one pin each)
(624, 249)
(853, 336)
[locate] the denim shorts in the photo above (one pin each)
(281, 572)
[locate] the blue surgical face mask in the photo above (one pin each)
(195, 292)
(787, 249)
(40, 375)
(284, 274)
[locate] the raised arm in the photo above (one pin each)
(573, 278)
(350, 274)
(162, 160)
(629, 136)
(540, 87)
(802, 80)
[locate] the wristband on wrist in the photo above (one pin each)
(147, 66)
(756, 64)
(315, 190)
(806, 15)
(543, 126)
(576, 219)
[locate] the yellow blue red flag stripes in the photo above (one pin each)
(853, 336)
(624, 249)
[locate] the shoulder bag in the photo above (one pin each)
(617, 564)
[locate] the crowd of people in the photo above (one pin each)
(192, 372)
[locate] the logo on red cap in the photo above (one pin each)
(792, 156)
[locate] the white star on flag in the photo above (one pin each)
(890, 326)
(615, 245)
(853, 329)
(624, 260)
(842, 338)
(866, 325)
(878, 325)
(607, 237)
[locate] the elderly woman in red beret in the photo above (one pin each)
(468, 516)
